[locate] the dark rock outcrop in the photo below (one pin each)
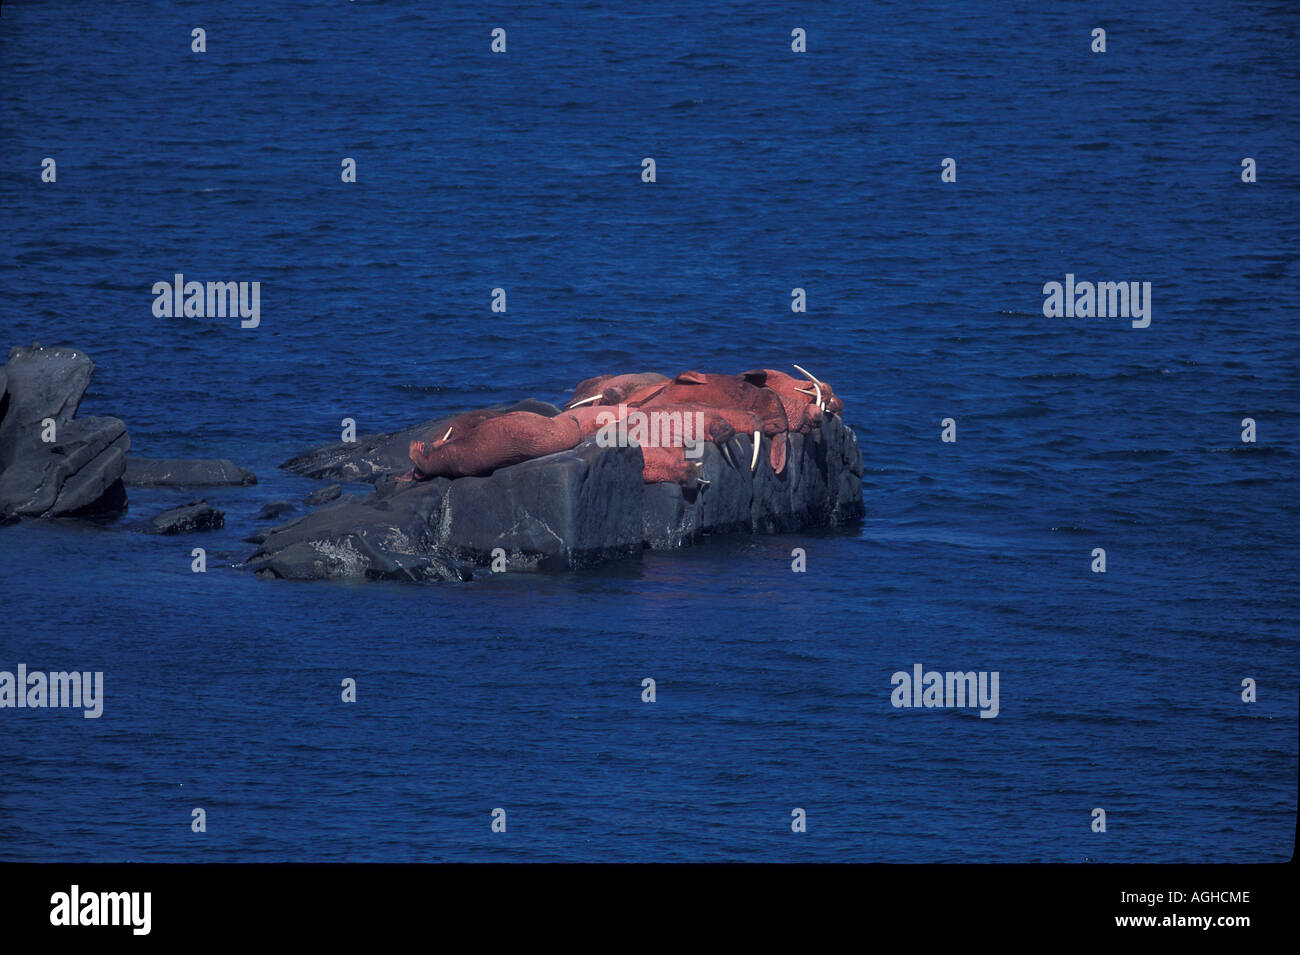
(146, 472)
(79, 471)
(566, 510)
(562, 511)
(195, 516)
(372, 456)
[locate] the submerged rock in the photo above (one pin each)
(323, 495)
(275, 509)
(195, 516)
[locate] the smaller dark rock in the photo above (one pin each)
(195, 516)
(145, 472)
(275, 509)
(324, 495)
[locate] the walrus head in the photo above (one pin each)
(613, 389)
(670, 465)
(822, 394)
(806, 400)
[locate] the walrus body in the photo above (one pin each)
(495, 442)
(614, 389)
(700, 407)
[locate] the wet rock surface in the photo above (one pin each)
(187, 519)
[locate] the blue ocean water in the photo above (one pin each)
(774, 170)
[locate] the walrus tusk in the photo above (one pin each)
(807, 374)
(816, 384)
(726, 453)
(448, 434)
(753, 462)
(584, 401)
(813, 394)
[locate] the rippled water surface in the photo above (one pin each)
(775, 171)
